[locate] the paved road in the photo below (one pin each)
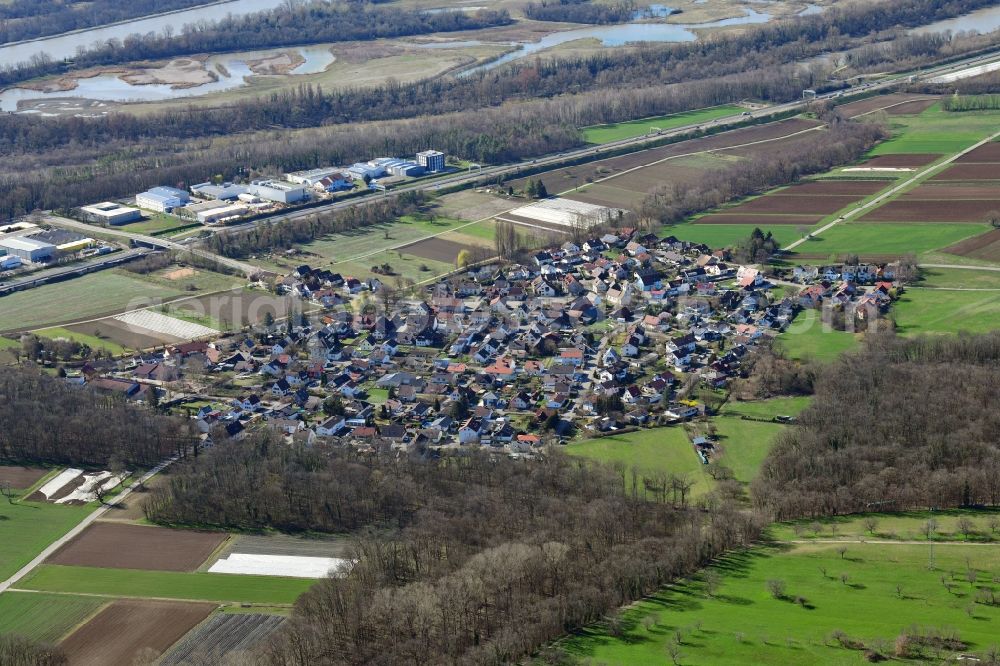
(164, 243)
(81, 526)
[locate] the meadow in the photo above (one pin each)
(809, 338)
(946, 311)
(868, 239)
(44, 617)
(804, 603)
(729, 235)
(959, 278)
(196, 586)
(92, 341)
(937, 131)
(618, 131)
(27, 528)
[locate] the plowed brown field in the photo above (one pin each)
(910, 210)
(984, 246)
(126, 627)
(988, 152)
(902, 161)
(18, 477)
(794, 205)
(126, 546)
(911, 108)
(969, 171)
(718, 218)
(836, 187)
(937, 191)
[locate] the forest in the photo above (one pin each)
(461, 559)
(30, 19)
(901, 424)
(47, 420)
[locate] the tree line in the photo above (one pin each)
(581, 11)
(898, 425)
(470, 558)
(44, 419)
(841, 143)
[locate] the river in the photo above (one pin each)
(982, 21)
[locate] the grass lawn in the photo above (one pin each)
(658, 450)
(158, 224)
(378, 396)
(166, 584)
(888, 588)
(91, 341)
(809, 338)
(44, 617)
(360, 243)
(943, 311)
(634, 128)
(83, 297)
(26, 528)
(744, 444)
(718, 236)
(767, 409)
(885, 239)
(959, 278)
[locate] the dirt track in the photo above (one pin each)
(124, 628)
(18, 477)
(138, 547)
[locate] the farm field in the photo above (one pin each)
(966, 172)
(938, 131)
(872, 592)
(123, 546)
(906, 526)
(221, 634)
(884, 240)
(946, 311)
(19, 477)
(766, 409)
(984, 247)
(197, 586)
(126, 627)
(44, 617)
(916, 211)
(29, 527)
(91, 295)
(618, 131)
(959, 278)
(744, 444)
(653, 451)
(728, 235)
(808, 338)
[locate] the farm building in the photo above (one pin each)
(111, 213)
(334, 182)
(27, 249)
(566, 213)
(277, 192)
(162, 199)
(226, 191)
(431, 160)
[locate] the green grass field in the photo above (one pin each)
(937, 131)
(809, 338)
(909, 526)
(886, 589)
(885, 239)
(26, 528)
(767, 409)
(658, 450)
(628, 130)
(87, 296)
(92, 341)
(959, 278)
(946, 311)
(159, 224)
(44, 617)
(166, 584)
(744, 444)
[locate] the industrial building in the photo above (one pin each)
(431, 160)
(214, 212)
(312, 177)
(65, 241)
(111, 213)
(363, 169)
(271, 190)
(9, 262)
(162, 199)
(226, 191)
(27, 249)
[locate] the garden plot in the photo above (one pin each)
(148, 320)
(221, 635)
(291, 566)
(124, 546)
(126, 628)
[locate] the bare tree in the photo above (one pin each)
(776, 587)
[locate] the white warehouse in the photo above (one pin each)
(162, 199)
